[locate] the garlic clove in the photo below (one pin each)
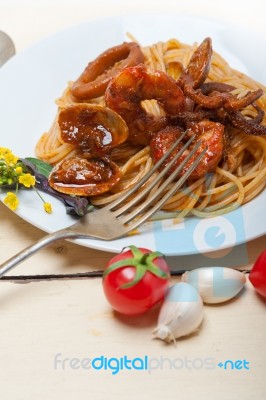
(181, 313)
(215, 284)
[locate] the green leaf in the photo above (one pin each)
(42, 167)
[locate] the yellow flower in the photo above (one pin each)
(18, 170)
(11, 159)
(27, 180)
(11, 201)
(8, 156)
(48, 207)
(12, 172)
(4, 151)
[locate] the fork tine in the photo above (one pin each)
(163, 200)
(144, 179)
(128, 217)
(148, 188)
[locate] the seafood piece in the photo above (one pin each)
(80, 176)
(232, 103)
(247, 125)
(130, 87)
(210, 87)
(211, 135)
(195, 75)
(93, 129)
(217, 95)
(199, 65)
(94, 79)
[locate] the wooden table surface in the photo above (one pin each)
(54, 316)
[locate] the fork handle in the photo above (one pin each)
(32, 249)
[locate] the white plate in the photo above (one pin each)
(31, 81)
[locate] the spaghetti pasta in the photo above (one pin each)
(240, 175)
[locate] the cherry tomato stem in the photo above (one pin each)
(141, 262)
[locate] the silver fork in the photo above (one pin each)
(111, 222)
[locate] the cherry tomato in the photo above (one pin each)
(257, 274)
(135, 280)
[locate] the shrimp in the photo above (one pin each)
(210, 133)
(130, 87)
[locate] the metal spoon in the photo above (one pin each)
(7, 48)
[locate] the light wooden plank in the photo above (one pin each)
(45, 325)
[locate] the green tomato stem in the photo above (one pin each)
(141, 262)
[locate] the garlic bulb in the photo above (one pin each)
(180, 314)
(215, 284)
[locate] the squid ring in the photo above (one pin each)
(94, 79)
